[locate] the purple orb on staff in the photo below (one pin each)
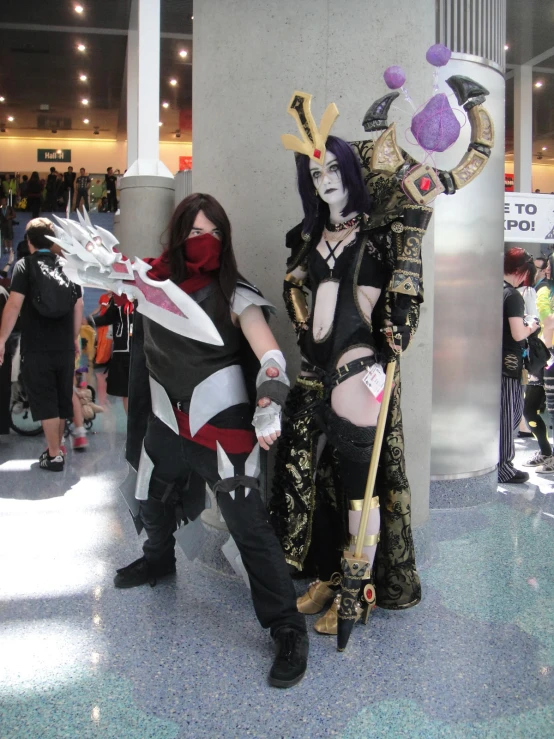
(438, 55)
(394, 77)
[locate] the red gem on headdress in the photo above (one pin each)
(317, 154)
(424, 184)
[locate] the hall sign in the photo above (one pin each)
(53, 155)
(528, 217)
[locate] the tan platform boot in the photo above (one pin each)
(319, 594)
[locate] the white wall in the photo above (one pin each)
(20, 154)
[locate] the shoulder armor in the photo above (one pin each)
(299, 245)
(246, 294)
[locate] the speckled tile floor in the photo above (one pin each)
(187, 659)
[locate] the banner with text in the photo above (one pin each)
(528, 217)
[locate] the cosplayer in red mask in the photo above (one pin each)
(201, 256)
(202, 424)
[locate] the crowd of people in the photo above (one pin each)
(51, 193)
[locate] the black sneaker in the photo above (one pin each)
(291, 660)
(517, 478)
(141, 571)
(44, 454)
(54, 464)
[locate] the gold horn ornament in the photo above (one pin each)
(312, 143)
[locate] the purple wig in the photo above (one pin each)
(359, 200)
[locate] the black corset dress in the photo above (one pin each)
(360, 264)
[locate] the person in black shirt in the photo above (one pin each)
(519, 270)
(68, 185)
(51, 186)
(82, 186)
(48, 347)
(111, 190)
(34, 194)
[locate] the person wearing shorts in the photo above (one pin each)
(48, 348)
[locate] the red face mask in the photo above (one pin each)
(202, 254)
(202, 259)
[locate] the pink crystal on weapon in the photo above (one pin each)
(157, 297)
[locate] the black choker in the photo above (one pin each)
(345, 225)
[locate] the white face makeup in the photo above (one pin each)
(328, 181)
(203, 225)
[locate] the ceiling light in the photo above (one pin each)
(78, 8)
(165, 105)
(192, 17)
(544, 148)
(160, 124)
(83, 77)
(506, 47)
(173, 81)
(2, 98)
(84, 101)
(81, 47)
(10, 118)
(183, 53)
(86, 120)
(538, 84)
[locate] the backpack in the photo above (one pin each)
(537, 355)
(53, 295)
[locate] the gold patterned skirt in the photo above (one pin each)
(299, 487)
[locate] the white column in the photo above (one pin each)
(523, 128)
(132, 86)
(144, 77)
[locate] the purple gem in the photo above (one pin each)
(438, 55)
(435, 128)
(394, 77)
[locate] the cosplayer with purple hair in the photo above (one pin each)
(314, 207)
(340, 481)
(346, 258)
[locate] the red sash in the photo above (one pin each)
(233, 441)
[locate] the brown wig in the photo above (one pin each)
(37, 231)
(178, 232)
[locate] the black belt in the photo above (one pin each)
(331, 379)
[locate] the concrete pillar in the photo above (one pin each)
(147, 190)
(148, 203)
(523, 128)
(338, 52)
(469, 244)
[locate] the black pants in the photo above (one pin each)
(48, 381)
(175, 458)
(51, 201)
(112, 200)
(533, 403)
(81, 194)
(34, 205)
